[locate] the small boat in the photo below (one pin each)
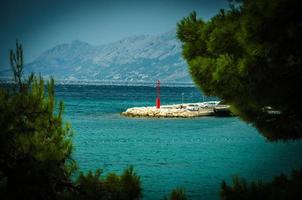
(222, 110)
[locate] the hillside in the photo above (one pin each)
(133, 59)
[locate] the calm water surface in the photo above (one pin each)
(196, 154)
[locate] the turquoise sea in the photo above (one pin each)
(196, 154)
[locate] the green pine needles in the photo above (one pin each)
(250, 56)
(16, 62)
(36, 148)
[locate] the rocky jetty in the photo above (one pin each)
(170, 111)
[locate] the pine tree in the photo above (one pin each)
(36, 147)
(250, 56)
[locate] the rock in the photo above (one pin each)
(170, 111)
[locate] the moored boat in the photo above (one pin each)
(222, 110)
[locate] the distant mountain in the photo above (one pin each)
(133, 59)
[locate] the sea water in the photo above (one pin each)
(195, 154)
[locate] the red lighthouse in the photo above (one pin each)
(158, 94)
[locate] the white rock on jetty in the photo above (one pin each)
(179, 110)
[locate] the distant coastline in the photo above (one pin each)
(6, 80)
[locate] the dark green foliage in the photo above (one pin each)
(178, 194)
(251, 56)
(16, 62)
(36, 147)
(281, 188)
(93, 186)
(130, 184)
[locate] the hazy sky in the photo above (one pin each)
(41, 24)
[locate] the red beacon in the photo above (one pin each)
(158, 94)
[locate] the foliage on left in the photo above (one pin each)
(36, 147)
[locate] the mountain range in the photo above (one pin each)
(143, 58)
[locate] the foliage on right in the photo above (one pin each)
(281, 187)
(251, 56)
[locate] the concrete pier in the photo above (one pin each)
(172, 111)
